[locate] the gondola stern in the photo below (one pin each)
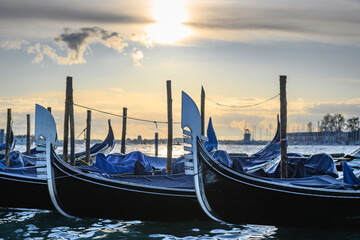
(190, 119)
(46, 137)
(110, 136)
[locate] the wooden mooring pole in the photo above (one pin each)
(72, 129)
(88, 133)
(123, 135)
(170, 127)
(69, 117)
(7, 143)
(202, 111)
(283, 122)
(28, 134)
(156, 144)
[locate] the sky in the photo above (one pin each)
(120, 54)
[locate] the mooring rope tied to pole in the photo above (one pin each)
(244, 106)
(121, 116)
(81, 133)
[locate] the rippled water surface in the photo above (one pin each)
(39, 224)
(35, 224)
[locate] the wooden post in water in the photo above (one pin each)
(72, 129)
(7, 143)
(123, 136)
(170, 127)
(28, 134)
(68, 101)
(202, 111)
(88, 132)
(283, 121)
(49, 109)
(156, 144)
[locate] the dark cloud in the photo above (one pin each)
(39, 10)
(76, 42)
(318, 17)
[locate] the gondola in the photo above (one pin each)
(24, 187)
(127, 197)
(232, 196)
(140, 197)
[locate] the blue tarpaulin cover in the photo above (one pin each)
(125, 164)
(31, 172)
(17, 163)
(12, 142)
(322, 181)
(223, 157)
(349, 176)
(317, 164)
(212, 144)
(16, 159)
(119, 163)
(170, 181)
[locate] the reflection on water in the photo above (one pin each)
(37, 224)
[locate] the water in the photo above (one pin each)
(40, 224)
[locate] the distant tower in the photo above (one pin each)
(247, 136)
(139, 139)
(2, 136)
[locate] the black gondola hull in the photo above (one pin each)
(28, 191)
(235, 197)
(24, 192)
(82, 195)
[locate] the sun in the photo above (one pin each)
(169, 16)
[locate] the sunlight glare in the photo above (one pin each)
(169, 16)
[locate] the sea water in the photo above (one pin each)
(43, 224)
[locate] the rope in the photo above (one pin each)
(81, 133)
(89, 164)
(245, 106)
(121, 116)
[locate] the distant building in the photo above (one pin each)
(139, 138)
(318, 138)
(247, 136)
(22, 139)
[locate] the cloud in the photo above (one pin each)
(350, 109)
(137, 57)
(13, 44)
(324, 21)
(36, 49)
(77, 42)
(144, 39)
(42, 10)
